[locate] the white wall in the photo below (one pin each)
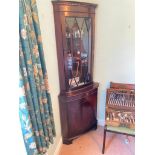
(114, 45)
(114, 59)
(114, 49)
(46, 18)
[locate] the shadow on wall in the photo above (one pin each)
(102, 103)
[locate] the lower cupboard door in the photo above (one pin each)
(81, 115)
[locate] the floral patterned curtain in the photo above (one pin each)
(35, 109)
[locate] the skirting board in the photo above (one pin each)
(101, 122)
(58, 147)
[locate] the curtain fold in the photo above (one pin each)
(35, 108)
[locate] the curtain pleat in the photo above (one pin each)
(33, 74)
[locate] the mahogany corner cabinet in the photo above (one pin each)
(74, 30)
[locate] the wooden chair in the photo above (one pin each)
(120, 110)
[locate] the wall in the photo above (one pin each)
(114, 49)
(114, 46)
(114, 59)
(46, 19)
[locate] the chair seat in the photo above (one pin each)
(121, 130)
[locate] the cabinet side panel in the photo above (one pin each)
(64, 117)
(59, 45)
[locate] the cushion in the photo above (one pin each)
(121, 130)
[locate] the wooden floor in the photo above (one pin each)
(91, 144)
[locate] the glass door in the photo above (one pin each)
(78, 51)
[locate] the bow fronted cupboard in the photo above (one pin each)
(74, 30)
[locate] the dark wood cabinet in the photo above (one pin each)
(74, 30)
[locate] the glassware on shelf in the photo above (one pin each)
(78, 34)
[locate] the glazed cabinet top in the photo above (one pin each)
(74, 29)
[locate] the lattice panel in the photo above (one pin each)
(120, 108)
(121, 99)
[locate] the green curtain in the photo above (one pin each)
(35, 109)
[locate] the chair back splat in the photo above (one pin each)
(120, 110)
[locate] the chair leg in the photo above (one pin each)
(104, 138)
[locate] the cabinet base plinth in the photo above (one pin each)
(69, 141)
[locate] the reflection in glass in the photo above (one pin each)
(78, 53)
